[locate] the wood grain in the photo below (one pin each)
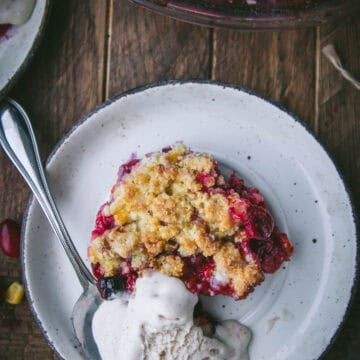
(339, 130)
(64, 81)
(146, 47)
(280, 65)
(94, 49)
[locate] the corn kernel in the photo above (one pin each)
(14, 293)
(92, 255)
(121, 217)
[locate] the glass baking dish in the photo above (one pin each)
(253, 14)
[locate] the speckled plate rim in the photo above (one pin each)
(222, 84)
(28, 58)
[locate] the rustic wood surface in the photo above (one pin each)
(95, 49)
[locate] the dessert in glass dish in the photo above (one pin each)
(173, 212)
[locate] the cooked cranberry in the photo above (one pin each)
(246, 248)
(260, 224)
(126, 168)
(248, 193)
(239, 210)
(130, 281)
(166, 149)
(274, 251)
(10, 238)
(110, 285)
(271, 257)
(207, 180)
(284, 242)
(236, 183)
(206, 271)
(102, 223)
(198, 274)
(97, 270)
(253, 195)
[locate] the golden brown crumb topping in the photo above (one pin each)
(162, 214)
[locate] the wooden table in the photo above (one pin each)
(95, 49)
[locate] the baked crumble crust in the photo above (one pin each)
(174, 205)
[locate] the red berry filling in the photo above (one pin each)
(273, 252)
(199, 278)
(260, 224)
(127, 168)
(129, 274)
(97, 271)
(260, 241)
(102, 223)
(207, 180)
(197, 274)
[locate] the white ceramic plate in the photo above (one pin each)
(295, 313)
(16, 51)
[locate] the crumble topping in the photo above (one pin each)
(173, 206)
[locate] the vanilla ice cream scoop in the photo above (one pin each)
(157, 323)
(16, 12)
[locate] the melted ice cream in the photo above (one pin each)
(15, 12)
(157, 323)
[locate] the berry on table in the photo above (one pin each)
(10, 238)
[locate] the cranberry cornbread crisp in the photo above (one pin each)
(175, 213)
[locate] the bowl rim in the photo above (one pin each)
(30, 55)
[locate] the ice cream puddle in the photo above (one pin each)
(157, 323)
